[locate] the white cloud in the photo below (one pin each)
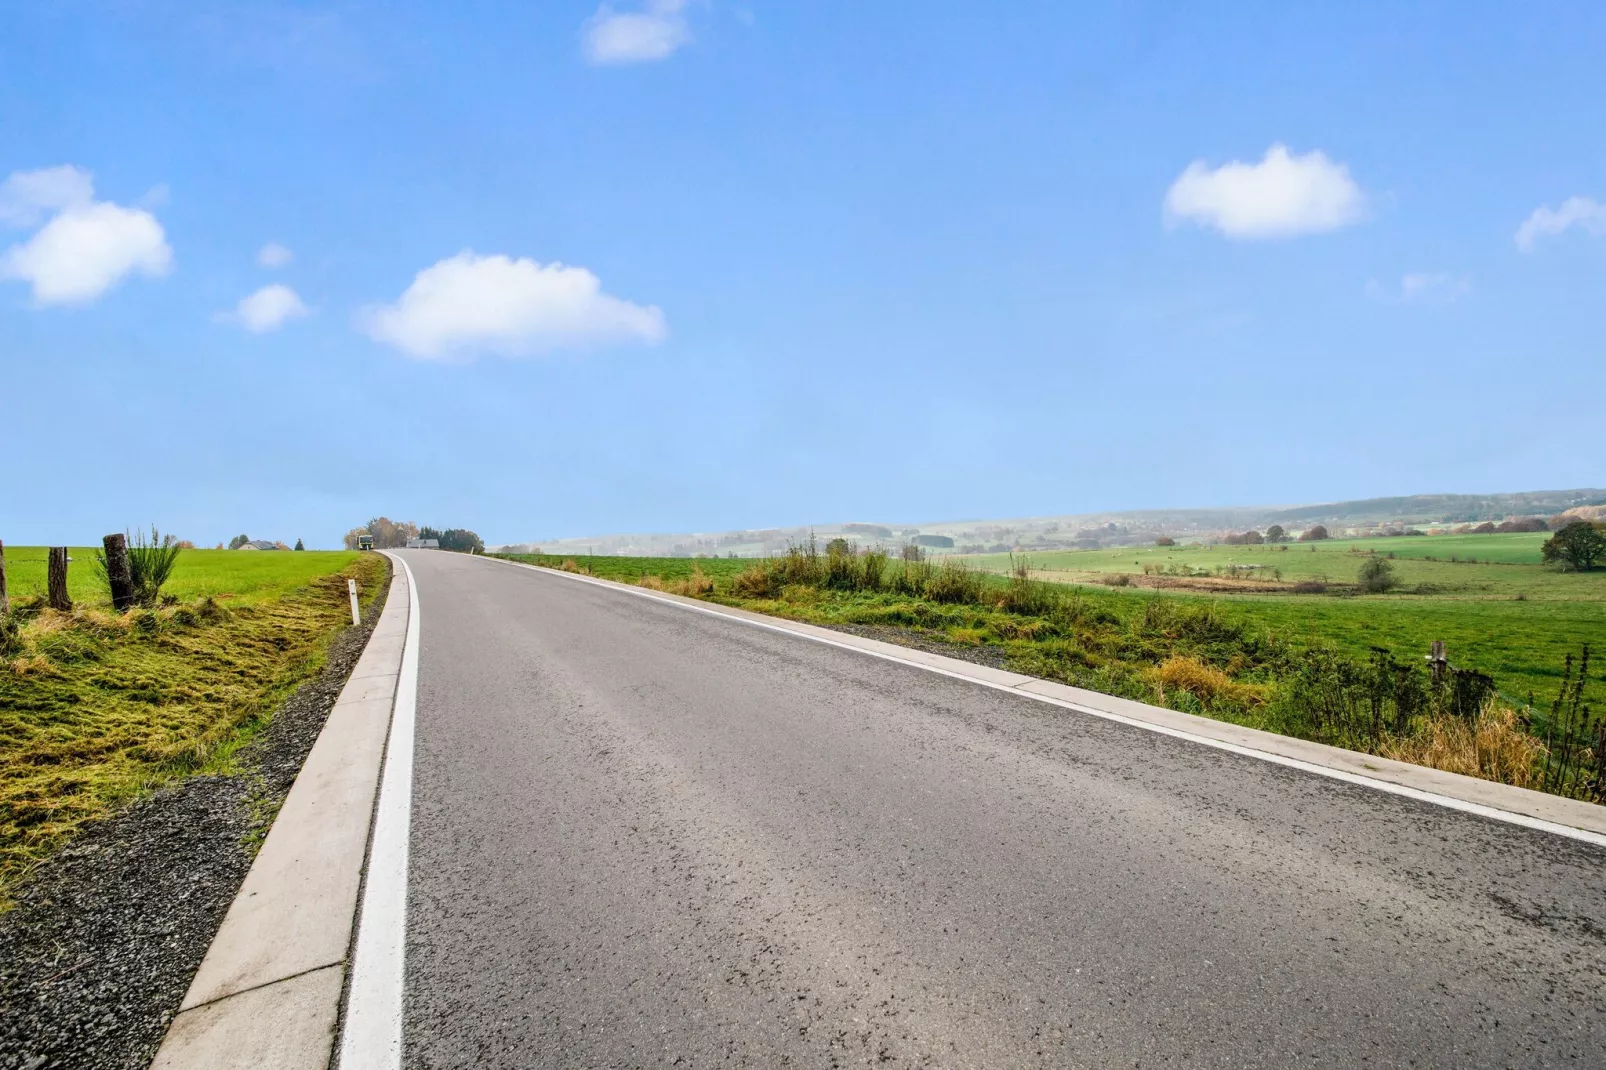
(1282, 195)
(85, 251)
(1582, 212)
(468, 303)
(274, 255)
(615, 37)
(266, 310)
(27, 197)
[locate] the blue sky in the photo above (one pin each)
(554, 269)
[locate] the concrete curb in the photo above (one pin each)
(1501, 802)
(268, 992)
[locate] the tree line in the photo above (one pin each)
(391, 534)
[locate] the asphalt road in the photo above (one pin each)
(643, 836)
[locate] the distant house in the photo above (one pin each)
(423, 544)
(258, 544)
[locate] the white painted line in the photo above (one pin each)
(372, 1036)
(1419, 794)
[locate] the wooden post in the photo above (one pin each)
(5, 599)
(119, 577)
(1437, 661)
(57, 578)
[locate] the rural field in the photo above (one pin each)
(1290, 645)
(101, 707)
(1489, 597)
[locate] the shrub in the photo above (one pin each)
(955, 583)
(1165, 540)
(1376, 576)
(150, 564)
(1310, 587)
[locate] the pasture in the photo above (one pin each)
(240, 576)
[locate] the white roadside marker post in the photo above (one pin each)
(356, 618)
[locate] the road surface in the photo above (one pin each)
(644, 836)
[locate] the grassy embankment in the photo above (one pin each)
(1307, 665)
(96, 707)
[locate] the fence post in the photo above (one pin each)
(356, 617)
(119, 577)
(1437, 661)
(57, 580)
(5, 599)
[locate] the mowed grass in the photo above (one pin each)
(237, 576)
(97, 708)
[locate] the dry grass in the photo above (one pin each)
(1497, 746)
(697, 585)
(1204, 682)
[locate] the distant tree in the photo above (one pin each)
(940, 541)
(1275, 533)
(186, 544)
(1247, 538)
(1577, 546)
(1376, 576)
(1165, 540)
(461, 540)
(388, 534)
(1485, 528)
(1313, 534)
(299, 546)
(839, 547)
(1526, 523)
(238, 541)
(350, 538)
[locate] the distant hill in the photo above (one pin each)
(1443, 508)
(1092, 530)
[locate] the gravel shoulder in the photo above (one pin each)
(97, 954)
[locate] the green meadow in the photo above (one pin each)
(240, 575)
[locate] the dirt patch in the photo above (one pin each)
(106, 936)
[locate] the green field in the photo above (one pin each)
(242, 575)
(1500, 610)
(97, 707)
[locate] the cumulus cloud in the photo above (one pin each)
(266, 310)
(85, 251)
(656, 32)
(86, 247)
(27, 197)
(1280, 196)
(274, 255)
(514, 307)
(1587, 214)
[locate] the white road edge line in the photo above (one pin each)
(1447, 801)
(372, 1035)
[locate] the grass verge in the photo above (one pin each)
(99, 708)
